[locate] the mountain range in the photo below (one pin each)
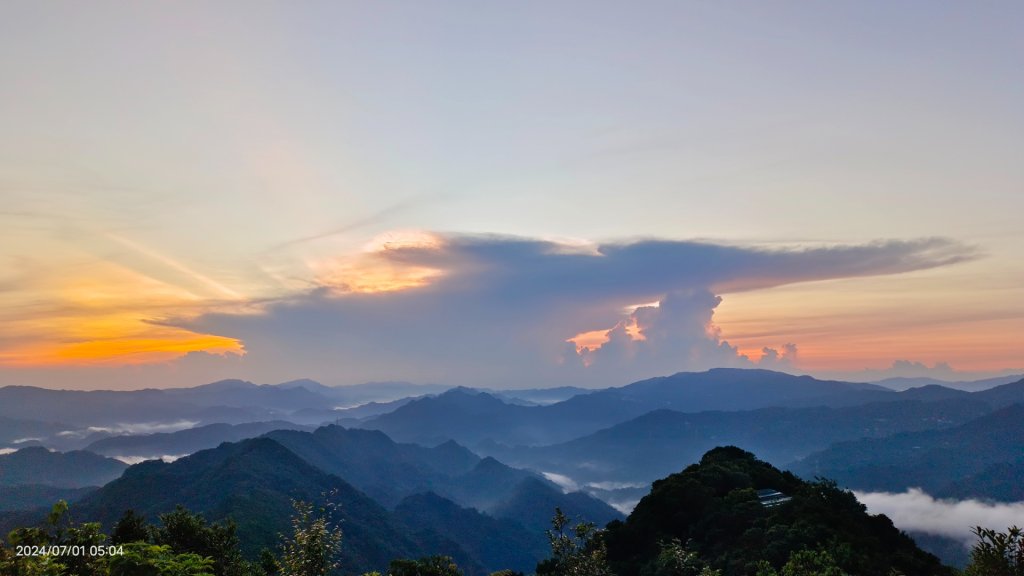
(390, 471)
(253, 482)
(952, 461)
(140, 447)
(904, 383)
(473, 417)
(36, 465)
(662, 441)
(446, 470)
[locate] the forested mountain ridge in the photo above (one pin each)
(729, 515)
(713, 507)
(77, 469)
(663, 441)
(389, 472)
(253, 482)
(935, 460)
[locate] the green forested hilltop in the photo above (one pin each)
(713, 509)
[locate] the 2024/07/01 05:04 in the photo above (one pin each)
(67, 550)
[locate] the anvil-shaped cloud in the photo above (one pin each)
(501, 311)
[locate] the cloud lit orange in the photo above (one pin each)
(104, 314)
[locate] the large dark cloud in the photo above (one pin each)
(502, 310)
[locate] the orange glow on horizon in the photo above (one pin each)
(119, 351)
(104, 315)
(851, 325)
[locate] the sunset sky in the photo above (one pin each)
(508, 194)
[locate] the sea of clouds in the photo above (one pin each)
(917, 511)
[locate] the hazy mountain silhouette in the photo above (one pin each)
(653, 445)
(348, 416)
(186, 441)
(534, 500)
(253, 482)
(17, 432)
(1000, 481)
(33, 496)
(1004, 395)
(372, 462)
(493, 543)
(231, 401)
(390, 471)
(935, 460)
(243, 394)
(539, 396)
(37, 465)
(91, 408)
(473, 417)
(903, 383)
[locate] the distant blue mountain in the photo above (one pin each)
(473, 417)
(662, 441)
(390, 471)
(961, 460)
(184, 442)
(903, 383)
(39, 466)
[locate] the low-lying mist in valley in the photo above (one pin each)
(916, 511)
(132, 460)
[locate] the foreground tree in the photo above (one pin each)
(997, 553)
(187, 533)
(131, 527)
(575, 551)
(312, 548)
(58, 530)
(142, 559)
(429, 566)
(674, 559)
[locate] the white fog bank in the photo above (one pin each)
(916, 511)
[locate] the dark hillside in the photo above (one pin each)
(714, 507)
(253, 483)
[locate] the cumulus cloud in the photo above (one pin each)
(910, 369)
(942, 371)
(677, 332)
(498, 311)
(916, 511)
(504, 312)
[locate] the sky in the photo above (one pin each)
(508, 194)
